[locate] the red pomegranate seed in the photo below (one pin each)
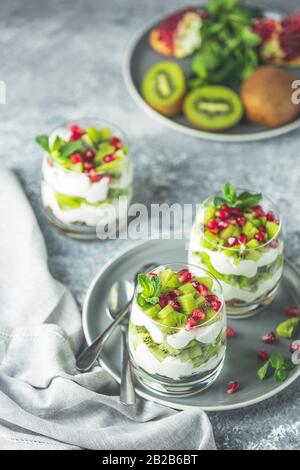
(262, 228)
(225, 207)
(241, 220)
(223, 214)
(260, 236)
(295, 347)
(89, 166)
(232, 241)
(174, 304)
(233, 387)
(198, 314)
(222, 224)
(230, 332)
(270, 216)
(109, 158)
(184, 276)
(76, 158)
(214, 302)
(202, 289)
(243, 238)
(263, 355)
(75, 129)
(273, 244)
(269, 338)
(212, 225)
(89, 154)
(258, 211)
(74, 137)
(292, 312)
(191, 323)
(116, 142)
(94, 177)
(174, 293)
(236, 211)
(151, 274)
(164, 301)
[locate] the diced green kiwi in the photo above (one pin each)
(206, 281)
(112, 168)
(187, 288)
(209, 213)
(164, 276)
(252, 243)
(152, 311)
(164, 312)
(187, 303)
(272, 229)
(250, 230)
(211, 241)
(213, 108)
(163, 87)
(104, 149)
(236, 231)
(227, 232)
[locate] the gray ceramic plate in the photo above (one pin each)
(241, 361)
(140, 57)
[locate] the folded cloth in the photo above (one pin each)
(44, 402)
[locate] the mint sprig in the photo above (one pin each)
(150, 290)
(43, 142)
(279, 365)
(232, 199)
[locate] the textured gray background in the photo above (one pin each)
(62, 60)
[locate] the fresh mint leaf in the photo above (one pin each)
(150, 289)
(276, 361)
(43, 142)
(262, 371)
(140, 300)
(281, 375)
(229, 192)
(57, 144)
(287, 327)
(288, 364)
(218, 201)
(247, 199)
(71, 147)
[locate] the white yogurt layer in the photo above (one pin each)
(204, 334)
(225, 264)
(90, 215)
(235, 292)
(170, 366)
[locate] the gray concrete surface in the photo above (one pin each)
(62, 60)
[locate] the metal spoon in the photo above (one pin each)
(127, 392)
(119, 297)
(120, 293)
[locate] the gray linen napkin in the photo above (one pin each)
(44, 402)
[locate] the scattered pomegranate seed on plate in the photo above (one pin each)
(230, 332)
(292, 311)
(263, 355)
(233, 387)
(269, 338)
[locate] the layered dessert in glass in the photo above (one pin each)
(177, 329)
(237, 236)
(86, 177)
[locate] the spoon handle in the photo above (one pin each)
(87, 358)
(127, 392)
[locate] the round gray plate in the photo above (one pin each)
(140, 57)
(241, 361)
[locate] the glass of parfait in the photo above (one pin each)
(177, 329)
(237, 236)
(86, 177)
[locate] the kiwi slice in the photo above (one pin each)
(187, 288)
(272, 229)
(187, 303)
(163, 87)
(213, 108)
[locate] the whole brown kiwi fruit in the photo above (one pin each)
(267, 97)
